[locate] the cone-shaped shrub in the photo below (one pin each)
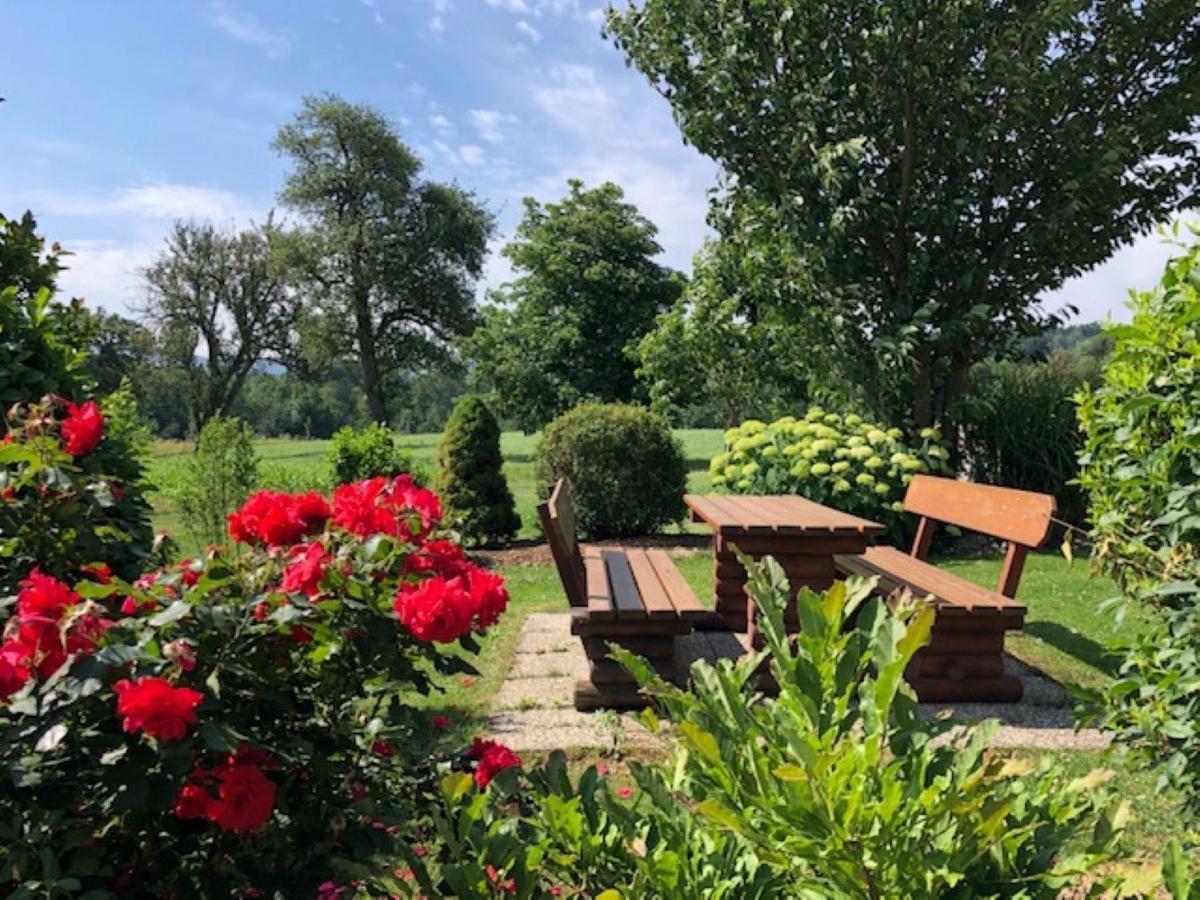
(476, 496)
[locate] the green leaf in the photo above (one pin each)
(455, 785)
(172, 613)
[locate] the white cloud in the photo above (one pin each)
(527, 29)
(437, 24)
(108, 274)
(164, 200)
(441, 124)
(512, 6)
(490, 124)
(1103, 292)
(595, 16)
(471, 155)
(244, 27)
(574, 98)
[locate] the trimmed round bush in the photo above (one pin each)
(477, 500)
(843, 461)
(358, 453)
(626, 470)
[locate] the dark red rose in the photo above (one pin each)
(443, 558)
(247, 797)
(83, 428)
(278, 520)
(98, 572)
(437, 610)
(192, 802)
(14, 668)
(358, 508)
(44, 597)
(383, 748)
(154, 706)
(489, 597)
(491, 758)
(305, 574)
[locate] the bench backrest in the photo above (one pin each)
(558, 521)
(1021, 518)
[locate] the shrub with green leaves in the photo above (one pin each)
(1140, 467)
(470, 479)
(837, 787)
(625, 467)
(843, 461)
(217, 478)
(358, 453)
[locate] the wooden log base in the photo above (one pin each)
(590, 697)
(608, 671)
(956, 666)
(1005, 689)
(650, 647)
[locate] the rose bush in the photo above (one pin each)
(241, 724)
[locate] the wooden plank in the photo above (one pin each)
(1010, 574)
(626, 600)
(757, 516)
(936, 665)
(649, 586)
(833, 520)
(814, 544)
(899, 568)
(589, 697)
(608, 671)
(702, 509)
(681, 596)
(599, 595)
(650, 646)
(1020, 516)
(581, 626)
(730, 516)
(923, 538)
(1003, 689)
(563, 546)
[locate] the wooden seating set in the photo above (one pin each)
(638, 599)
(628, 596)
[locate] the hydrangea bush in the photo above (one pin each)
(240, 724)
(843, 461)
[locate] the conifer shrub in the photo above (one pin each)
(470, 479)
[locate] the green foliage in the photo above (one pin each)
(835, 788)
(474, 492)
(843, 461)
(59, 512)
(726, 341)
(1019, 428)
(626, 469)
(1141, 469)
(26, 265)
(587, 289)
(41, 347)
(358, 454)
(216, 479)
(312, 694)
(939, 166)
(390, 260)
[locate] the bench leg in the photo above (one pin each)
(963, 665)
(609, 686)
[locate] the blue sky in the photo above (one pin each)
(122, 116)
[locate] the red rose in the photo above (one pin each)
(492, 758)
(440, 722)
(44, 597)
(98, 572)
(247, 797)
(189, 573)
(489, 598)
(437, 610)
(83, 428)
(443, 558)
(192, 802)
(357, 508)
(14, 668)
(383, 748)
(420, 507)
(152, 705)
(305, 574)
(278, 520)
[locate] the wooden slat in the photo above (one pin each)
(649, 586)
(1006, 513)
(1004, 689)
(702, 509)
(757, 517)
(900, 569)
(599, 594)
(626, 600)
(681, 595)
(730, 515)
(556, 515)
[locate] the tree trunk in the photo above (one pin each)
(922, 394)
(369, 361)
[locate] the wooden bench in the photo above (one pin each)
(628, 596)
(965, 657)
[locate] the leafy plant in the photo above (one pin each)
(217, 478)
(842, 461)
(355, 454)
(241, 724)
(470, 477)
(626, 469)
(1140, 467)
(837, 787)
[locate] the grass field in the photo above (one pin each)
(1065, 632)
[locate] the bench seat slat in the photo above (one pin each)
(952, 594)
(599, 594)
(626, 599)
(683, 598)
(649, 585)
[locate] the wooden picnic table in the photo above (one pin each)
(802, 535)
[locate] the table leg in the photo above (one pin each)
(730, 580)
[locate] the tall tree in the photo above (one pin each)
(221, 303)
(587, 289)
(943, 163)
(25, 262)
(392, 259)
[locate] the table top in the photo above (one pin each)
(774, 514)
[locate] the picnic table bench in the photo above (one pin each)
(965, 657)
(632, 597)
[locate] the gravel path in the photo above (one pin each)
(533, 710)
